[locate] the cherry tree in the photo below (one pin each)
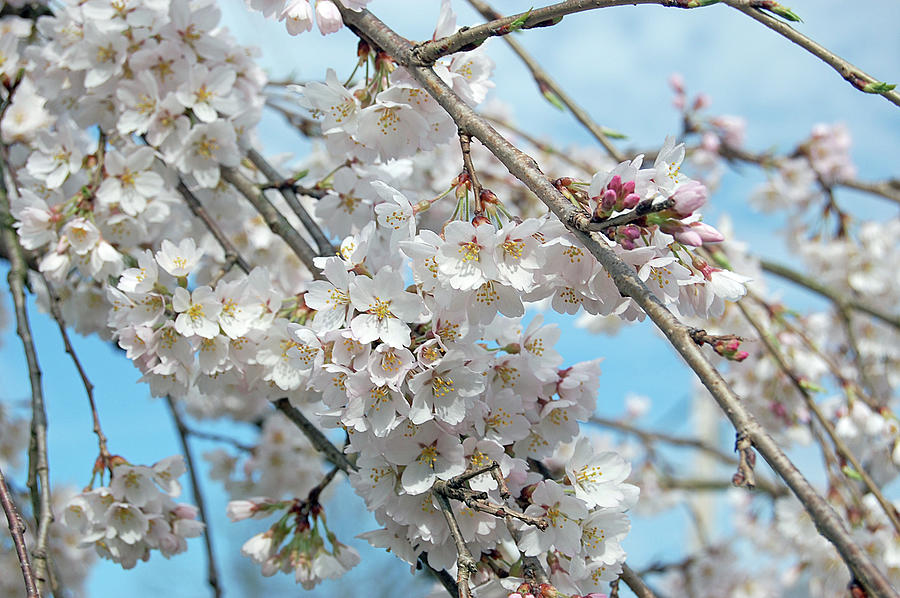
(377, 310)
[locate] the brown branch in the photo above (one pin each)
(469, 38)
(829, 293)
(203, 435)
(842, 449)
(273, 218)
(444, 578)
(634, 581)
(17, 531)
(465, 146)
(465, 564)
(525, 169)
(546, 84)
(290, 196)
(855, 76)
(212, 575)
(38, 465)
(648, 436)
(232, 255)
(319, 441)
(642, 209)
(88, 386)
(745, 476)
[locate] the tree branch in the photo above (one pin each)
(273, 218)
(17, 531)
(469, 38)
(465, 564)
(525, 169)
(546, 84)
(212, 575)
(827, 292)
(38, 466)
(842, 449)
(231, 253)
(854, 75)
(290, 196)
(634, 581)
(315, 436)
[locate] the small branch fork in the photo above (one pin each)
(457, 489)
(17, 531)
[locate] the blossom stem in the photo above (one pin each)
(465, 145)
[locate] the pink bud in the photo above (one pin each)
(707, 233)
(631, 200)
(686, 236)
(689, 197)
(628, 187)
(741, 356)
(701, 101)
(608, 200)
(631, 231)
(615, 184)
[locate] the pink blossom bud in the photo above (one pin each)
(615, 184)
(185, 511)
(328, 17)
(631, 231)
(608, 200)
(685, 235)
(689, 197)
(628, 187)
(631, 200)
(733, 344)
(741, 356)
(707, 233)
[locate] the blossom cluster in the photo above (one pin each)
(135, 513)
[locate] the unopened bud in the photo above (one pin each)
(631, 200)
(487, 197)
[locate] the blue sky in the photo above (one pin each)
(615, 62)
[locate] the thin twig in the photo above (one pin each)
(469, 38)
(312, 227)
(38, 465)
(465, 146)
(273, 218)
(842, 449)
(321, 443)
(625, 278)
(648, 436)
(88, 386)
(219, 438)
(642, 209)
(212, 575)
(17, 531)
(546, 84)
(231, 253)
(854, 75)
(827, 292)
